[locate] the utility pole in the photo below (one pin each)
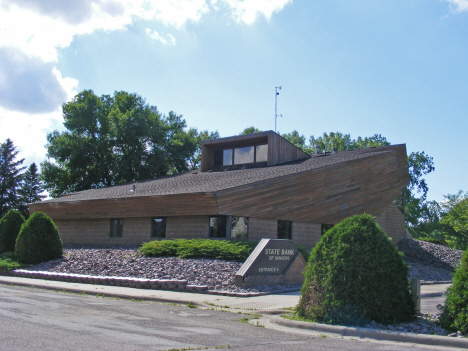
(276, 103)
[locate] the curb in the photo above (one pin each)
(427, 295)
(128, 282)
(374, 334)
(93, 293)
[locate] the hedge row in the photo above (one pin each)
(204, 248)
(199, 248)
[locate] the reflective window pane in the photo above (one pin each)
(244, 155)
(239, 227)
(158, 228)
(262, 153)
(227, 157)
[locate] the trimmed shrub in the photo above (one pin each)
(305, 253)
(200, 248)
(10, 226)
(455, 311)
(38, 240)
(8, 261)
(355, 275)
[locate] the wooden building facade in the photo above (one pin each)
(248, 187)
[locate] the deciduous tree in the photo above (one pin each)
(250, 130)
(195, 159)
(112, 140)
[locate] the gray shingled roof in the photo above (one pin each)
(201, 182)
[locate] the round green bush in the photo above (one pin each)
(10, 226)
(455, 311)
(355, 275)
(38, 240)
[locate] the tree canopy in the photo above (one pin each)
(113, 140)
(250, 130)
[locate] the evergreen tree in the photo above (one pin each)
(31, 190)
(10, 177)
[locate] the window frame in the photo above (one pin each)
(116, 223)
(231, 228)
(210, 234)
(153, 225)
(290, 229)
(231, 163)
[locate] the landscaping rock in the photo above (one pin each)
(128, 262)
(429, 262)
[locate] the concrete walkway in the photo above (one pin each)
(267, 305)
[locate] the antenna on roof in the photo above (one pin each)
(276, 103)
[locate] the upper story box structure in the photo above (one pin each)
(247, 151)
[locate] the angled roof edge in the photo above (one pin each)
(212, 182)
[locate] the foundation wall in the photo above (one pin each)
(306, 234)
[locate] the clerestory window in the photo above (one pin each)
(241, 155)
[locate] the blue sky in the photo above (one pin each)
(364, 67)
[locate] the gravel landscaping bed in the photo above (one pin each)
(217, 275)
(431, 263)
(428, 262)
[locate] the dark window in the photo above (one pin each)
(284, 229)
(158, 227)
(239, 228)
(116, 228)
(218, 158)
(325, 227)
(218, 226)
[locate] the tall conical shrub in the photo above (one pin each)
(10, 226)
(455, 311)
(355, 275)
(38, 240)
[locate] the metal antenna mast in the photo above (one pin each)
(276, 103)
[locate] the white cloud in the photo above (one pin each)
(32, 89)
(247, 10)
(28, 84)
(458, 5)
(39, 27)
(167, 39)
(28, 132)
